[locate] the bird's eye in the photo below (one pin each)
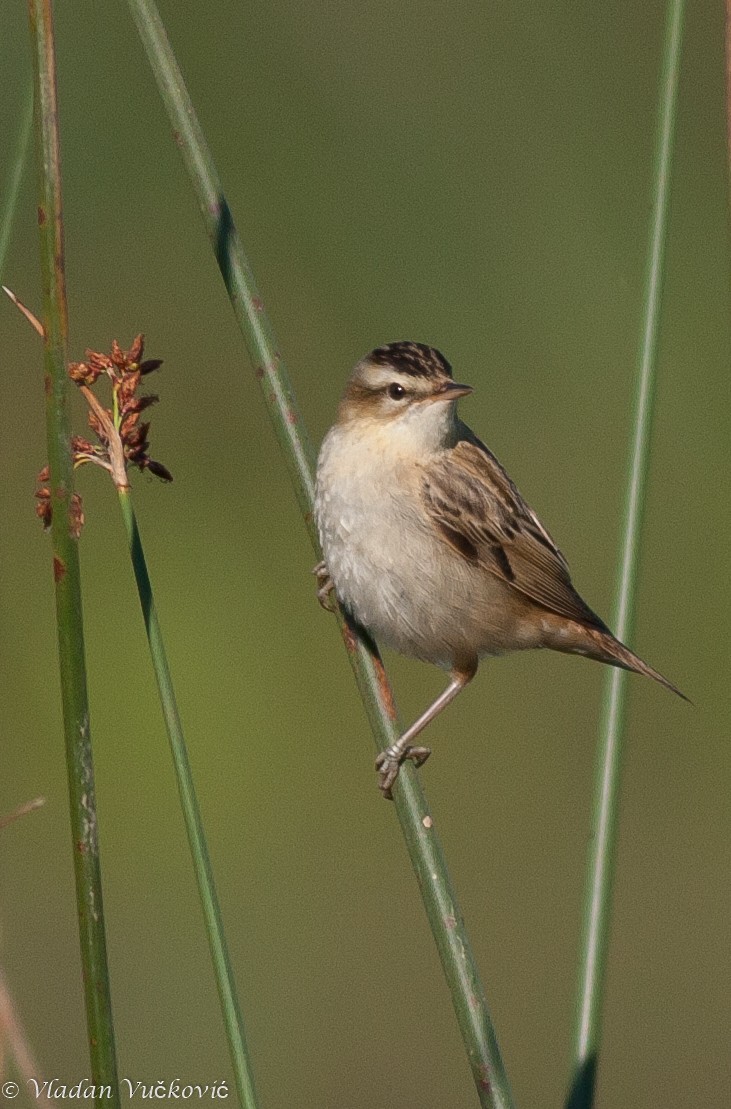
(396, 391)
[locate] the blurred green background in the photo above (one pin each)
(473, 176)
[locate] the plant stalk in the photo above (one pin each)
(233, 1022)
(602, 843)
(84, 829)
(417, 824)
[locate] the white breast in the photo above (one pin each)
(357, 518)
(390, 565)
(381, 551)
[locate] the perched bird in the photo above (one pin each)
(427, 542)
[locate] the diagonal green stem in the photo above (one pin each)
(87, 869)
(417, 824)
(601, 861)
(15, 176)
(191, 813)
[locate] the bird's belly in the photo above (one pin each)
(404, 584)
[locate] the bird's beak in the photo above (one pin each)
(451, 390)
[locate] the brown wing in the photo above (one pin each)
(481, 514)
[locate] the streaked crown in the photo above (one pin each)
(413, 359)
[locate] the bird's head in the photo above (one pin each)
(406, 387)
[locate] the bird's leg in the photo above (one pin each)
(389, 760)
(324, 586)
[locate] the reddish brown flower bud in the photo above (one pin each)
(83, 373)
(80, 445)
(127, 386)
(118, 357)
(128, 424)
(100, 361)
(136, 351)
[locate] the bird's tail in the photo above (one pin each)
(594, 640)
(604, 647)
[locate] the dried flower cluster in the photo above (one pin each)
(121, 435)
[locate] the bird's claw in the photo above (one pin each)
(325, 587)
(389, 762)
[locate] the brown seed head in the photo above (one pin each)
(79, 445)
(118, 357)
(127, 387)
(100, 361)
(122, 439)
(83, 373)
(136, 351)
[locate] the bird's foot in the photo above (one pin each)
(389, 762)
(325, 587)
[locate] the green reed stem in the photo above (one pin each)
(416, 822)
(87, 869)
(601, 859)
(233, 1022)
(16, 168)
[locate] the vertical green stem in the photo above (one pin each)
(193, 824)
(66, 568)
(417, 824)
(601, 860)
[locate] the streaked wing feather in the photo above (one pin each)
(481, 514)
